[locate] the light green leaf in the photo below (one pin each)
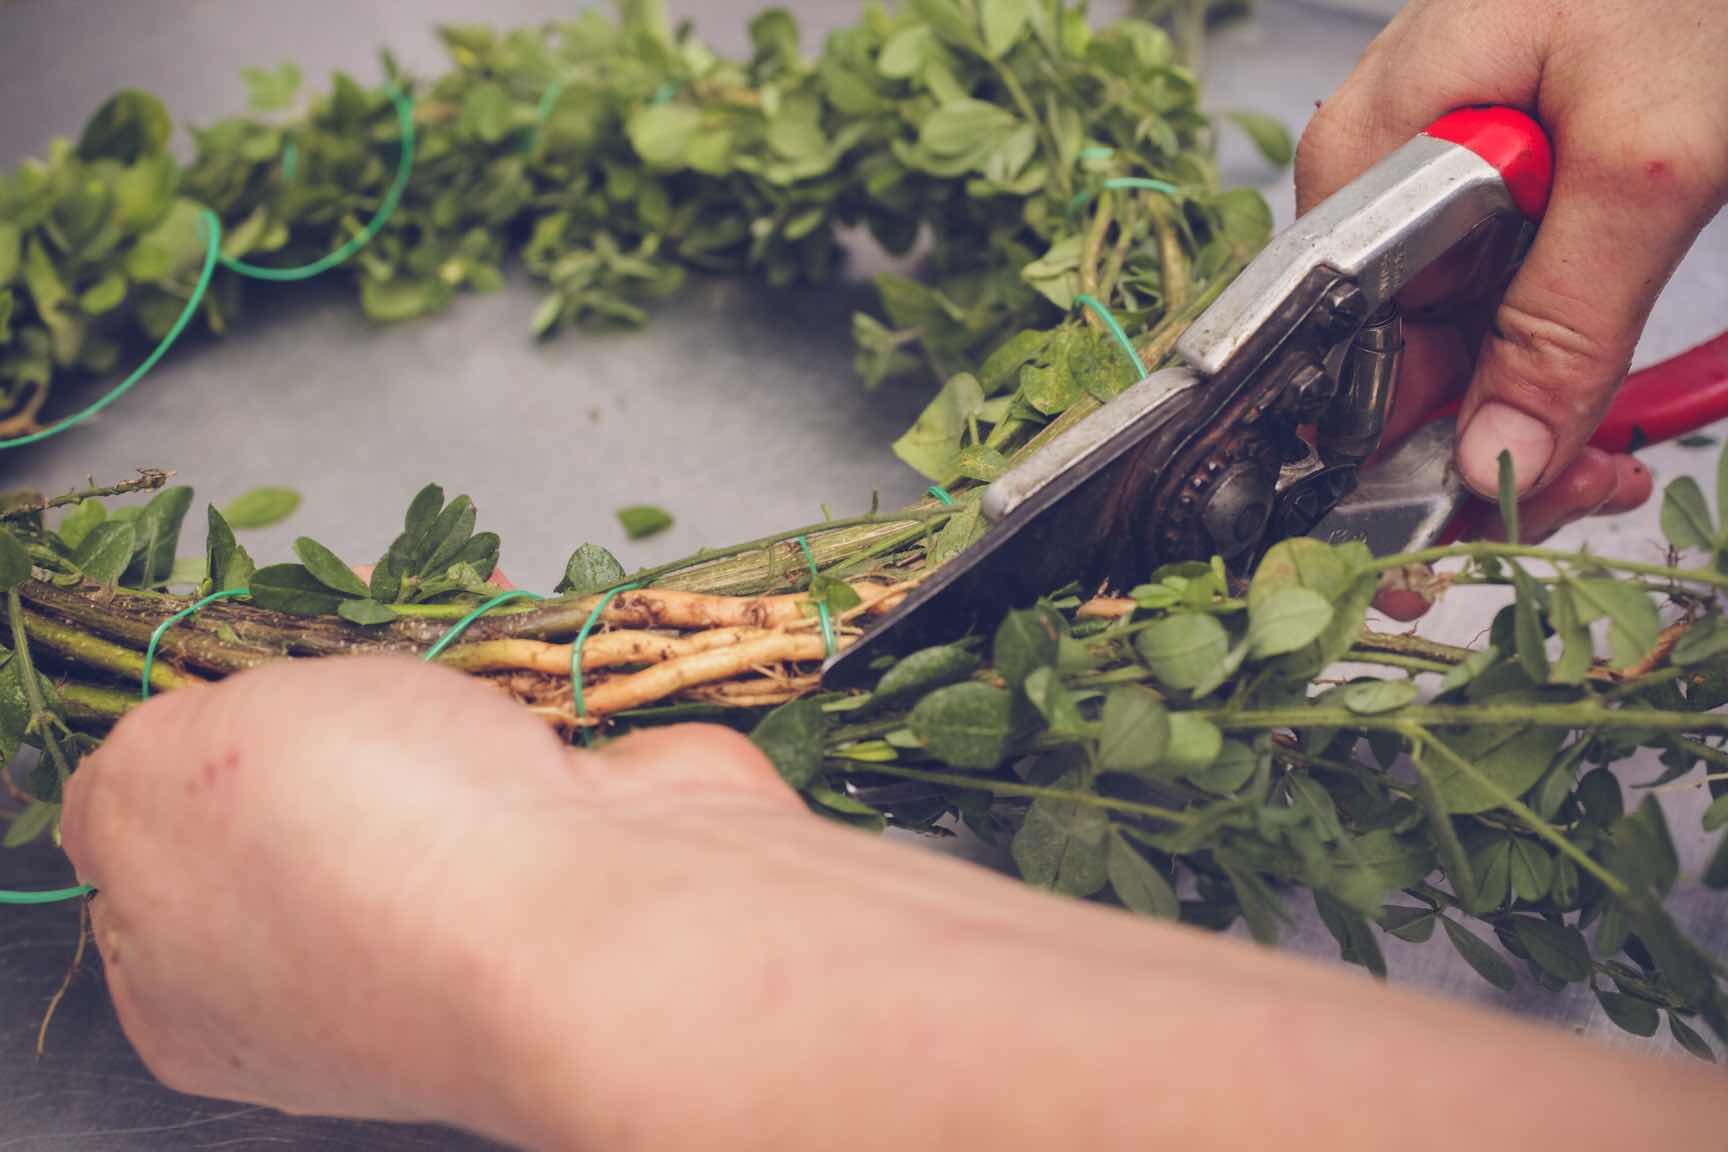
(77, 523)
(261, 507)
(1685, 516)
(1634, 623)
(1136, 731)
(904, 54)
(1183, 649)
(104, 553)
(1511, 757)
(26, 827)
(1054, 702)
(486, 112)
(1269, 136)
(1285, 620)
(1025, 640)
(932, 443)
(641, 521)
(663, 134)
(1377, 697)
(966, 128)
(965, 725)
(271, 89)
(1063, 844)
(1194, 745)
(1002, 21)
(1137, 882)
(1704, 641)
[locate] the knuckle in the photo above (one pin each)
(1555, 362)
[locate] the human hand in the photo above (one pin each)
(1635, 96)
(316, 881)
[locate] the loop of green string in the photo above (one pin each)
(386, 209)
(156, 636)
(576, 654)
(290, 160)
(821, 605)
(1103, 314)
(213, 247)
(461, 625)
(941, 494)
(1144, 183)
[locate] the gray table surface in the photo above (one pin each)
(737, 409)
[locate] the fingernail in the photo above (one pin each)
(1498, 428)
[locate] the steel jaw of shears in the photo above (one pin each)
(1209, 457)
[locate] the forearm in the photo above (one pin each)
(896, 999)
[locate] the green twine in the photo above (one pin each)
(386, 209)
(461, 625)
(47, 896)
(1103, 314)
(576, 654)
(213, 230)
(1097, 152)
(821, 605)
(941, 494)
(290, 159)
(156, 636)
(1082, 197)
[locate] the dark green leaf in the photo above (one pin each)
(641, 521)
(1356, 942)
(29, 825)
(14, 561)
(1063, 843)
(965, 725)
(924, 670)
(793, 738)
(1414, 925)
(1532, 870)
(1054, 702)
(158, 530)
(292, 589)
(1687, 1037)
(1716, 816)
(1530, 644)
(1702, 642)
(1136, 731)
(590, 569)
(261, 507)
(1258, 902)
(1025, 640)
(1489, 964)
(129, 125)
(367, 611)
(106, 551)
(1137, 882)
(77, 523)
(444, 540)
(423, 511)
(1716, 871)
(329, 569)
(1629, 1013)
(1514, 759)
(1558, 949)
(1509, 497)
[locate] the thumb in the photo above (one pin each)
(1565, 331)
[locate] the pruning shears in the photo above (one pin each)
(1270, 426)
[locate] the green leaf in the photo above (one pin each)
(11, 252)
(1532, 871)
(1577, 650)
(933, 441)
(423, 511)
(1634, 623)
(14, 560)
(272, 89)
(1136, 731)
(1716, 871)
(129, 125)
(1687, 1037)
(1685, 516)
(1413, 925)
(1258, 903)
(1702, 642)
(1356, 941)
(1195, 744)
(1629, 1013)
(1269, 136)
(1285, 620)
(444, 540)
(103, 296)
(1025, 640)
(1336, 576)
(1473, 666)
(1513, 758)
(77, 523)
(1716, 816)
(486, 112)
(261, 507)
(329, 569)
(1509, 496)
(965, 725)
(641, 521)
(590, 569)
(105, 552)
(793, 737)
(1558, 949)
(1529, 642)
(1183, 649)
(923, 670)
(1378, 697)
(292, 589)
(1233, 767)
(1489, 964)
(1137, 882)
(1063, 844)
(904, 54)
(26, 827)
(663, 134)
(966, 128)
(226, 563)
(1492, 867)
(1722, 491)
(1003, 21)
(1054, 702)
(366, 611)
(158, 529)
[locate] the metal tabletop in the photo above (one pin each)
(736, 409)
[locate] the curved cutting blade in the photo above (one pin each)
(1052, 517)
